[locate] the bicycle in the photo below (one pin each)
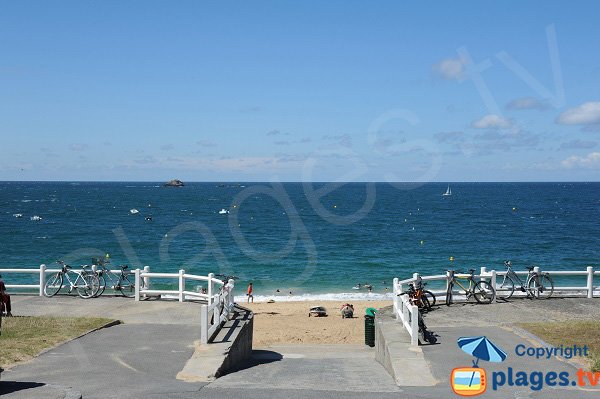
(86, 283)
(122, 281)
(482, 291)
(414, 297)
(538, 285)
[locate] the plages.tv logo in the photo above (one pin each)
(471, 381)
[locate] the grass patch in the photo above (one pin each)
(24, 337)
(570, 333)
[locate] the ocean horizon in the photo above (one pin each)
(307, 240)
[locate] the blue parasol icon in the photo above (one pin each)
(481, 348)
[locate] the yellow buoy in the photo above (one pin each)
(452, 259)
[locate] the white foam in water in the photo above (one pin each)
(342, 296)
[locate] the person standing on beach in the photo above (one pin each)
(4, 299)
(250, 296)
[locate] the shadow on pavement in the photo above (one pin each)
(258, 358)
(7, 387)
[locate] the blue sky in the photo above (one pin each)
(274, 90)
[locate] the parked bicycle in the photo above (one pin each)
(85, 281)
(123, 281)
(482, 291)
(537, 285)
(416, 298)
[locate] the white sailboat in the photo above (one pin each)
(448, 192)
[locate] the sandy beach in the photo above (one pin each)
(288, 323)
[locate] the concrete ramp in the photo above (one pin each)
(231, 346)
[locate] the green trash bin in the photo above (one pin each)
(370, 326)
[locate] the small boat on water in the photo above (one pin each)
(448, 192)
(223, 211)
(134, 211)
(18, 215)
(36, 218)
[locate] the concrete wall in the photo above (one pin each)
(240, 330)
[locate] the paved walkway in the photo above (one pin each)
(141, 358)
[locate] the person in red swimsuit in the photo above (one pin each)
(250, 296)
(4, 298)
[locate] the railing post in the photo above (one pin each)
(396, 297)
(414, 325)
(447, 280)
(42, 279)
(482, 272)
(230, 293)
(147, 279)
(211, 276)
(181, 284)
(494, 279)
(136, 273)
(204, 324)
(590, 282)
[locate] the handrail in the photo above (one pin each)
(407, 314)
(589, 288)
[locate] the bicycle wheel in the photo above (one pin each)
(90, 285)
(126, 287)
(424, 304)
(53, 285)
(102, 287)
(430, 297)
(541, 287)
(506, 289)
(484, 292)
(449, 294)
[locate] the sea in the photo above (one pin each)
(301, 241)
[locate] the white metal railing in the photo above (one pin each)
(39, 277)
(219, 296)
(216, 312)
(219, 302)
(495, 278)
(407, 313)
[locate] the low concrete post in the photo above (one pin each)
(414, 325)
(590, 282)
(204, 324)
(211, 276)
(396, 297)
(181, 284)
(42, 279)
(136, 273)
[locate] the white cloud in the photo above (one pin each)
(450, 69)
(526, 103)
(492, 122)
(590, 161)
(584, 114)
